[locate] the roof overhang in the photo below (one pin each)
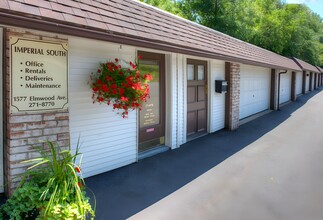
(16, 19)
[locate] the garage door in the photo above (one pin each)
(254, 90)
(285, 87)
(299, 83)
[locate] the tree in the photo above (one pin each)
(291, 30)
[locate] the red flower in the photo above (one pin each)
(78, 169)
(140, 57)
(149, 77)
(104, 88)
(79, 184)
(124, 99)
(100, 99)
(125, 88)
(113, 86)
(129, 79)
(109, 78)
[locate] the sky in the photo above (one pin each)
(315, 5)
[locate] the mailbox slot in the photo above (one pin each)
(221, 86)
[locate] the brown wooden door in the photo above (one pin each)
(196, 97)
(152, 115)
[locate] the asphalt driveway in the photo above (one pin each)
(277, 177)
(270, 168)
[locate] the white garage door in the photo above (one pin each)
(254, 90)
(299, 82)
(107, 140)
(285, 87)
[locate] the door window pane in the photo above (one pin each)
(200, 72)
(190, 72)
(150, 113)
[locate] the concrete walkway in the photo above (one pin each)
(277, 177)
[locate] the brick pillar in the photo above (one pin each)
(273, 90)
(311, 82)
(304, 83)
(23, 130)
(232, 99)
(293, 89)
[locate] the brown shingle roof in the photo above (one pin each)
(305, 66)
(142, 23)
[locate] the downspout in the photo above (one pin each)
(283, 72)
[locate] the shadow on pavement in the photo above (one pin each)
(124, 192)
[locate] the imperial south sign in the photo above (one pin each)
(38, 75)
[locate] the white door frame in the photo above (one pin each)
(1, 114)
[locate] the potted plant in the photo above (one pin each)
(52, 188)
(125, 87)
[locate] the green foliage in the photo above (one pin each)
(50, 189)
(24, 203)
(286, 29)
(166, 5)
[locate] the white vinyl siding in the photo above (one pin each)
(217, 100)
(181, 99)
(107, 140)
(254, 90)
(171, 101)
(307, 82)
(173, 104)
(1, 117)
(299, 82)
(285, 87)
(313, 80)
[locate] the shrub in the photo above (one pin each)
(52, 188)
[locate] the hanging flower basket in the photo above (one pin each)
(126, 88)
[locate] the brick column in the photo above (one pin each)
(232, 99)
(293, 87)
(23, 130)
(273, 90)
